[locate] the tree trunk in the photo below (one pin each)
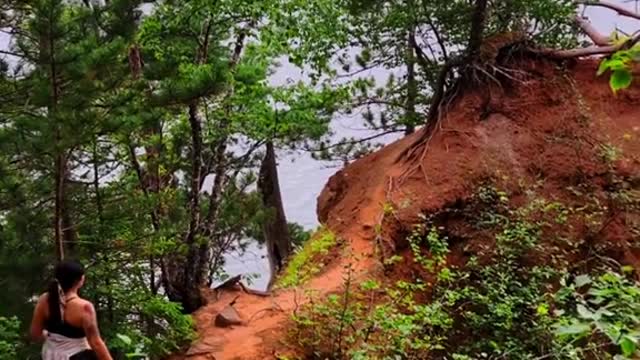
(184, 272)
(275, 228)
(59, 199)
(100, 215)
(196, 169)
(69, 234)
(47, 58)
(149, 178)
(412, 86)
(440, 91)
(187, 274)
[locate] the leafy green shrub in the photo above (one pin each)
(308, 260)
(594, 315)
(324, 326)
(9, 337)
(173, 329)
(620, 64)
(161, 329)
(130, 349)
(497, 305)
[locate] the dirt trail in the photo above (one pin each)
(267, 317)
(550, 125)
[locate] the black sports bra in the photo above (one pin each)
(64, 329)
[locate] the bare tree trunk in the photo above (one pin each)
(182, 272)
(196, 169)
(275, 227)
(186, 274)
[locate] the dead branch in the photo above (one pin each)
(603, 45)
(612, 6)
(588, 51)
(591, 32)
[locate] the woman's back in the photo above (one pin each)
(65, 322)
(73, 322)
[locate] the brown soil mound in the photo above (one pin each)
(553, 126)
(550, 127)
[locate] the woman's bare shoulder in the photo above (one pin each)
(43, 298)
(80, 303)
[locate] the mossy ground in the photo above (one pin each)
(308, 261)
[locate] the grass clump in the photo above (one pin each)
(308, 260)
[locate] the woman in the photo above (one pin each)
(65, 322)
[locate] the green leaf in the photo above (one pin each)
(582, 280)
(618, 63)
(576, 328)
(585, 313)
(620, 79)
(627, 346)
(627, 269)
(604, 66)
(543, 309)
(125, 339)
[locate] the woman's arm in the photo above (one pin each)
(90, 325)
(37, 322)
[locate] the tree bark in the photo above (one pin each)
(149, 178)
(196, 169)
(186, 274)
(275, 227)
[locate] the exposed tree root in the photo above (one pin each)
(469, 65)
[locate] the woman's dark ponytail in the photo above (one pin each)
(66, 276)
(53, 295)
